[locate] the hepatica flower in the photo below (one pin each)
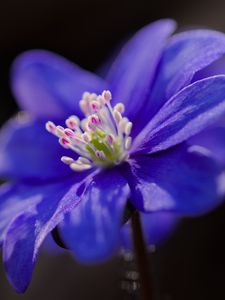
(122, 138)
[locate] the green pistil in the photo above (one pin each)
(100, 133)
(101, 146)
(111, 154)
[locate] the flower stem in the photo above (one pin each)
(141, 258)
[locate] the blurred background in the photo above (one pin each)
(189, 265)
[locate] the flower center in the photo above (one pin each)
(102, 138)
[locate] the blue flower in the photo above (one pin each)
(133, 144)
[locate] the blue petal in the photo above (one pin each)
(132, 73)
(214, 140)
(29, 226)
(13, 201)
(189, 112)
(91, 230)
(49, 86)
(18, 251)
(187, 53)
(28, 151)
(216, 68)
(156, 228)
(183, 180)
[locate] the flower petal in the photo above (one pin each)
(91, 230)
(216, 68)
(214, 140)
(18, 251)
(29, 226)
(183, 180)
(48, 86)
(132, 73)
(28, 151)
(13, 201)
(156, 228)
(186, 53)
(190, 111)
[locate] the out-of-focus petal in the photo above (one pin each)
(48, 86)
(189, 112)
(156, 228)
(216, 68)
(18, 251)
(14, 200)
(29, 226)
(91, 229)
(132, 73)
(214, 140)
(183, 180)
(187, 53)
(28, 151)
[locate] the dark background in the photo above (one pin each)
(191, 264)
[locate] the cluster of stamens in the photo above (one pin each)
(101, 138)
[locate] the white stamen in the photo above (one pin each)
(127, 142)
(50, 126)
(59, 130)
(84, 106)
(94, 119)
(86, 137)
(73, 122)
(101, 138)
(79, 167)
(107, 96)
(84, 124)
(91, 126)
(117, 116)
(110, 139)
(77, 139)
(68, 132)
(95, 106)
(92, 97)
(128, 128)
(101, 100)
(119, 107)
(86, 96)
(64, 142)
(83, 160)
(122, 124)
(100, 154)
(67, 160)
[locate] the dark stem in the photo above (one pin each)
(142, 258)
